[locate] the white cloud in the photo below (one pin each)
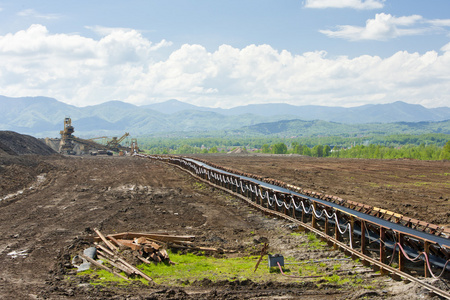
(122, 65)
(115, 31)
(383, 27)
(440, 22)
(31, 13)
(356, 4)
(446, 48)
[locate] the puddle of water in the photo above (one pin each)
(16, 254)
(39, 180)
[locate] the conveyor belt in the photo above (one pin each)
(437, 257)
(384, 223)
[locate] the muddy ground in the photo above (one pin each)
(50, 203)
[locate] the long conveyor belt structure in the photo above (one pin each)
(388, 239)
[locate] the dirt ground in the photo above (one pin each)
(49, 203)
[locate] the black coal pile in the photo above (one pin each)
(13, 143)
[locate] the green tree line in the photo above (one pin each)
(421, 152)
(423, 147)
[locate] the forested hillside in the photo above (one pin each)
(43, 117)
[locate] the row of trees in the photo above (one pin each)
(433, 146)
(421, 152)
(207, 140)
(296, 148)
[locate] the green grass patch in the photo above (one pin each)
(199, 186)
(314, 242)
(103, 277)
(309, 270)
(333, 278)
(296, 233)
(191, 267)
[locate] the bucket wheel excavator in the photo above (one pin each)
(67, 139)
(68, 142)
(114, 143)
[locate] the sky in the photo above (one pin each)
(227, 53)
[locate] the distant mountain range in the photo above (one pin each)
(42, 116)
(370, 113)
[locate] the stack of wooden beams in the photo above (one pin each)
(110, 254)
(147, 247)
(150, 246)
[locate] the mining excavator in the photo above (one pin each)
(68, 142)
(67, 139)
(134, 146)
(114, 144)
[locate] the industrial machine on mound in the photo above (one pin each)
(71, 144)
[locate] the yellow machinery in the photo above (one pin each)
(114, 144)
(66, 145)
(134, 146)
(68, 142)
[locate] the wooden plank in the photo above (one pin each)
(115, 265)
(143, 259)
(136, 270)
(156, 241)
(97, 264)
(140, 240)
(107, 250)
(154, 236)
(108, 243)
(129, 244)
(263, 252)
(123, 235)
(183, 242)
(113, 239)
(163, 254)
(123, 261)
(155, 257)
(147, 242)
(115, 259)
(193, 248)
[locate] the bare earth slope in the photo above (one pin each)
(20, 161)
(13, 143)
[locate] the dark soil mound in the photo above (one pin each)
(13, 143)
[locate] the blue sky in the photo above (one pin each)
(227, 53)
